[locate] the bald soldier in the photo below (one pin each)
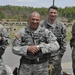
(33, 43)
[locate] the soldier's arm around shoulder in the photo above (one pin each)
(51, 45)
(17, 48)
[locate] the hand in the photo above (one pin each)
(33, 49)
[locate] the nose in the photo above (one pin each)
(35, 21)
(53, 13)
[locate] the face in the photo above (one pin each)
(34, 20)
(52, 14)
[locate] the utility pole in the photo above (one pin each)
(53, 2)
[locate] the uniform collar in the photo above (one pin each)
(52, 25)
(34, 31)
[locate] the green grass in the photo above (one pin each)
(69, 33)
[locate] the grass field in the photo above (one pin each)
(69, 33)
(15, 28)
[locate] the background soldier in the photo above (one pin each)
(72, 45)
(33, 44)
(4, 42)
(59, 30)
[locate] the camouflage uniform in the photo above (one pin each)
(72, 45)
(36, 64)
(5, 70)
(60, 32)
(3, 43)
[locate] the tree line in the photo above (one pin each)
(21, 13)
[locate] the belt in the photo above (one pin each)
(33, 61)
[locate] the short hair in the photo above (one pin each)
(53, 7)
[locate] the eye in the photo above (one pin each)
(35, 19)
(50, 12)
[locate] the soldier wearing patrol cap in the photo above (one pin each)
(33, 44)
(59, 30)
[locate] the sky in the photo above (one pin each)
(38, 3)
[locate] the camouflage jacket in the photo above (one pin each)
(72, 40)
(5, 39)
(59, 31)
(41, 37)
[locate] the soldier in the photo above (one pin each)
(57, 27)
(72, 45)
(4, 42)
(33, 44)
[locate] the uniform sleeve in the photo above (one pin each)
(73, 30)
(72, 42)
(4, 42)
(5, 37)
(51, 46)
(64, 40)
(17, 48)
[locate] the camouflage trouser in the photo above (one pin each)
(34, 69)
(56, 62)
(73, 60)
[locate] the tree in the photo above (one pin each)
(1, 15)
